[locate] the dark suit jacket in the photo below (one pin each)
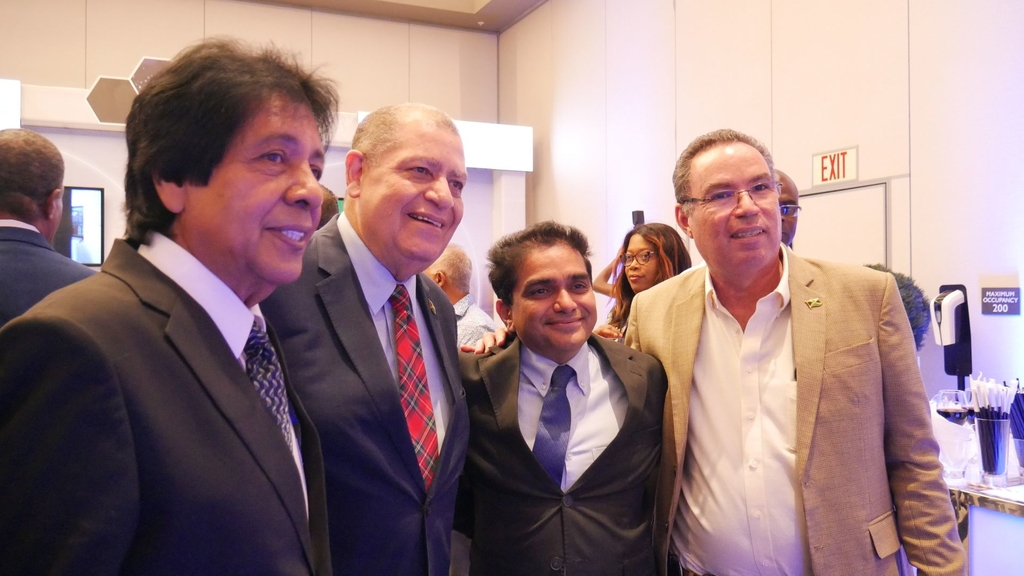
(31, 270)
(522, 522)
(382, 520)
(132, 441)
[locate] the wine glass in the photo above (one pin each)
(953, 405)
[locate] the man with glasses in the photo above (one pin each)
(789, 206)
(798, 438)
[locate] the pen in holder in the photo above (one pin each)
(993, 426)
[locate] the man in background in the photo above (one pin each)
(329, 207)
(146, 422)
(453, 272)
(565, 426)
(798, 438)
(789, 206)
(31, 205)
(371, 342)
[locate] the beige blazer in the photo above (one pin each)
(865, 455)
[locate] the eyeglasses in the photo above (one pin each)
(762, 194)
(789, 210)
(641, 258)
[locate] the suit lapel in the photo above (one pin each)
(455, 436)
(684, 321)
(351, 323)
(809, 349)
(500, 374)
(198, 341)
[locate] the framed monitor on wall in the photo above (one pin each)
(80, 234)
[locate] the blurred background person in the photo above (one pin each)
(650, 254)
(329, 207)
(31, 205)
(453, 272)
(789, 206)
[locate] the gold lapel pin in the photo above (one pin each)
(812, 303)
(433, 311)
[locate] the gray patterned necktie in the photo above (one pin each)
(265, 372)
(553, 429)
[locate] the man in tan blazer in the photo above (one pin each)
(797, 438)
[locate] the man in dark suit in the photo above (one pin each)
(372, 346)
(145, 422)
(565, 427)
(31, 204)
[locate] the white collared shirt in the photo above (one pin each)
(597, 404)
(741, 511)
(377, 285)
(226, 309)
(11, 223)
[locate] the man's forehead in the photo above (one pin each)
(726, 163)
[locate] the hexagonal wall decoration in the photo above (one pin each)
(111, 99)
(145, 70)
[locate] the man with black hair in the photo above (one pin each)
(565, 426)
(147, 425)
(31, 205)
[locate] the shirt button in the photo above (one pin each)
(568, 457)
(764, 562)
(750, 369)
(752, 464)
(757, 514)
(750, 415)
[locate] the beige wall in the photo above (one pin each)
(597, 87)
(70, 43)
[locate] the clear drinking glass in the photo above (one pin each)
(953, 405)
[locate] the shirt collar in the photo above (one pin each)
(11, 223)
(538, 369)
(375, 280)
(462, 306)
(226, 309)
(781, 292)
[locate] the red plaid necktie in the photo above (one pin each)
(412, 384)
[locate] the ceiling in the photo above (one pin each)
(489, 15)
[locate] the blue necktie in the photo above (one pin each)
(553, 428)
(265, 372)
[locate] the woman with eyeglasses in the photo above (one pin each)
(650, 254)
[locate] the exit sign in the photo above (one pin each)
(837, 166)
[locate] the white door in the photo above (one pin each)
(846, 225)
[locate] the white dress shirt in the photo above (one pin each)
(11, 223)
(597, 404)
(226, 309)
(741, 510)
(378, 284)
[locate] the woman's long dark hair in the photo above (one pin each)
(670, 254)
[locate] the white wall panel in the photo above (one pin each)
(369, 59)
(839, 79)
(967, 197)
(640, 106)
(455, 70)
(578, 119)
(43, 42)
(525, 95)
(122, 32)
(723, 68)
(289, 29)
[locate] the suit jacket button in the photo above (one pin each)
(426, 509)
(557, 563)
(567, 501)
